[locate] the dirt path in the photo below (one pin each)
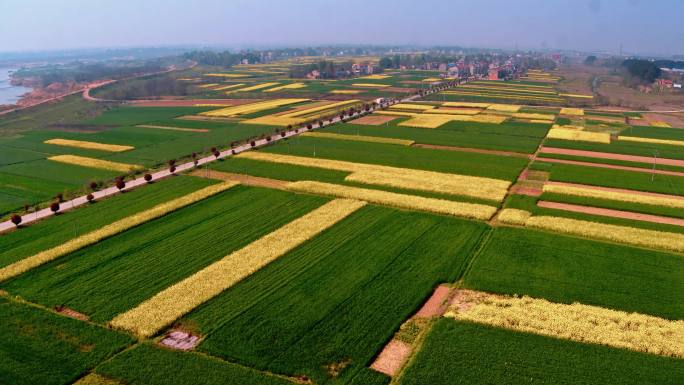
(436, 304)
(611, 213)
(475, 150)
(609, 155)
(611, 166)
(242, 178)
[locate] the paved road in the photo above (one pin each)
(131, 184)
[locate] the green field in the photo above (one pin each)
(565, 269)
(336, 299)
(486, 165)
(465, 353)
(150, 365)
(41, 347)
(623, 147)
(99, 280)
(508, 136)
(60, 228)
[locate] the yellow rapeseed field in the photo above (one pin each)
(650, 140)
(614, 233)
(426, 121)
(454, 184)
(109, 230)
(255, 87)
(228, 75)
(375, 77)
(274, 120)
(359, 138)
(522, 91)
(228, 87)
(462, 111)
(89, 145)
(466, 104)
(504, 107)
(326, 108)
(504, 96)
(636, 197)
(251, 107)
(577, 96)
(575, 322)
(163, 308)
(291, 86)
(396, 113)
(403, 201)
(576, 135)
(659, 123)
(514, 216)
(346, 92)
(370, 85)
(412, 107)
(572, 111)
(95, 163)
(524, 115)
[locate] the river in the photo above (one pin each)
(9, 94)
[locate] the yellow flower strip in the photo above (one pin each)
(407, 106)
(163, 308)
(251, 107)
(96, 379)
(402, 201)
(572, 111)
(426, 121)
(614, 233)
(513, 216)
(577, 96)
(372, 85)
(95, 163)
(575, 322)
(466, 104)
(291, 86)
(228, 75)
(255, 87)
(462, 111)
(359, 138)
(89, 145)
(635, 197)
(454, 184)
(510, 90)
(502, 96)
(375, 77)
(524, 115)
(660, 124)
(504, 107)
(433, 80)
(396, 113)
(325, 107)
(109, 230)
(223, 88)
(348, 92)
(576, 135)
(651, 140)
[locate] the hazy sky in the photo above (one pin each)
(645, 26)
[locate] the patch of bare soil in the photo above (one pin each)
(373, 120)
(242, 178)
(392, 357)
(672, 119)
(520, 189)
(189, 102)
(436, 304)
(612, 156)
(71, 313)
(476, 150)
(611, 213)
(180, 340)
(464, 299)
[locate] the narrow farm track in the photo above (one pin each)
(474, 150)
(611, 213)
(189, 166)
(247, 180)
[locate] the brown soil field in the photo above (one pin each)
(607, 155)
(436, 304)
(392, 357)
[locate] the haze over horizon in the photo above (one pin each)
(640, 26)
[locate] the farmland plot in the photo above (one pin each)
(465, 353)
(565, 269)
(99, 280)
(40, 347)
(326, 308)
